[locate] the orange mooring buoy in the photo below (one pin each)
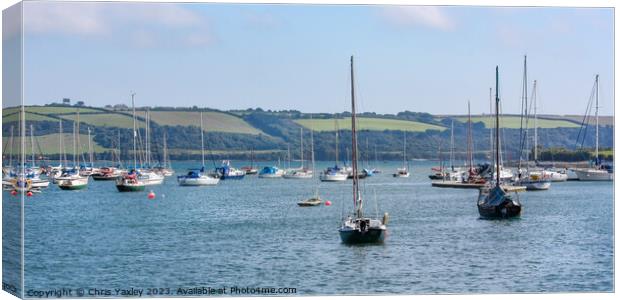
(29, 194)
(151, 195)
(14, 192)
(328, 203)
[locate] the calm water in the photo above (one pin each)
(252, 233)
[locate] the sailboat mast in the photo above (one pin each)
(90, 149)
(202, 141)
(165, 152)
(535, 103)
(301, 141)
(147, 146)
(491, 119)
(497, 124)
(312, 146)
(11, 141)
(77, 136)
(74, 147)
(356, 195)
(470, 147)
(596, 118)
(119, 147)
(133, 107)
(337, 129)
(452, 145)
(404, 149)
(32, 143)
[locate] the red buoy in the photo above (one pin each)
(29, 194)
(328, 203)
(14, 192)
(151, 195)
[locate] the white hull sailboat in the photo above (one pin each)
(333, 176)
(404, 171)
(301, 172)
(596, 173)
(198, 177)
(71, 179)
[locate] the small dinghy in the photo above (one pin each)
(314, 201)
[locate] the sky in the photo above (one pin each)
(232, 56)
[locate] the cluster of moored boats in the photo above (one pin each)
(494, 181)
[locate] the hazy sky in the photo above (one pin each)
(417, 58)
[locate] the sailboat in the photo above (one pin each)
(553, 174)
(130, 181)
(110, 173)
(335, 173)
(199, 177)
(536, 179)
(250, 170)
(70, 179)
(16, 180)
(494, 201)
(404, 171)
(597, 173)
(165, 169)
(149, 175)
(533, 178)
(302, 172)
(316, 199)
(360, 228)
(88, 170)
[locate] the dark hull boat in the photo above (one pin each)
(494, 202)
(360, 229)
(363, 231)
(497, 204)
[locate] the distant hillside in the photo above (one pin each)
(233, 134)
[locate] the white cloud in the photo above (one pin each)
(143, 23)
(71, 18)
(428, 16)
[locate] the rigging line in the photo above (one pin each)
(523, 107)
(586, 117)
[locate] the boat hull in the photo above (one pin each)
(370, 236)
(72, 187)
(130, 187)
(594, 175)
(232, 177)
(203, 181)
(537, 186)
(298, 176)
(270, 176)
(73, 183)
(333, 177)
(103, 178)
(310, 202)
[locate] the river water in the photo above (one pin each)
(251, 233)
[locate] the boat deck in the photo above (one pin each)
(461, 185)
(457, 185)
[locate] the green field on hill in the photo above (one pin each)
(49, 144)
(212, 121)
(29, 117)
(105, 119)
(375, 124)
(514, 122)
